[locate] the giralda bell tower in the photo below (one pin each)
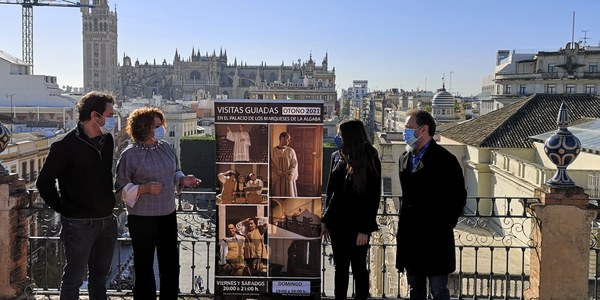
(99, 47)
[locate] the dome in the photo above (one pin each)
(442, 98)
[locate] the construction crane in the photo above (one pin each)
(27, 23)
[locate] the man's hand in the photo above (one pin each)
(362, 239)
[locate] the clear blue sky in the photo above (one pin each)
(394, 43)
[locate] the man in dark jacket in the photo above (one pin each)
(82, 164)
(433, 198)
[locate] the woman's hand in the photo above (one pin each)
(190, 181)
(362, 239)
(325, 233)
(151, 187)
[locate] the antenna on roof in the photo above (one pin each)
(585, 37)
(573, 32)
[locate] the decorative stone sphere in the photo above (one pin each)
(4, 137)
(562, 149)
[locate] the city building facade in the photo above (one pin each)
(99, 47)
(181, 120)
(26, 155)
(570, 70)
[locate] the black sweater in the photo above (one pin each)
(84, 174)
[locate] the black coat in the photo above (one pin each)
(346, 210)
(84, 174)
(433, 199)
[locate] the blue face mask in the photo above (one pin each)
(409, 136)
(159, 133)
(109, 124)
(339, 143)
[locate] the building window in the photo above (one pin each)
(590, 89)
(24, 174)
(387, 185)
(522, 89)
(593, 67)
(551, 88)
(570, 89)
(508, 89)
(551, 68)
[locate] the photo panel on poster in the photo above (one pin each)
(242, 183)
(296, 153)
(242, 143)
(242, 248)
(294, 237)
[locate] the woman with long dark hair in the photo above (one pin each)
(353, 194)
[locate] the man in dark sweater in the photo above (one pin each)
(82, 164)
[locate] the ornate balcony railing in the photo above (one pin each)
(492, 241)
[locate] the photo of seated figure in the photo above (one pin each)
(242, 183)
(254, 189)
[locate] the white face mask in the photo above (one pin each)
(109, 124)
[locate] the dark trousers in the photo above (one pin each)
(88, 243)
(150, 233)
(437, 283)
(346, 254)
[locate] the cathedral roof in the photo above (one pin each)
(513, 125)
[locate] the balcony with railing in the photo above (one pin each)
(494, 242)
(516, 76)
(492, 238)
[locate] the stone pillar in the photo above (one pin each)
(559, 264)
(14, 232)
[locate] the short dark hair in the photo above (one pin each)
(93, 101)
(141, 121)
(422, 117)
(283, 134)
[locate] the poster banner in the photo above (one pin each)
(269, 161)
